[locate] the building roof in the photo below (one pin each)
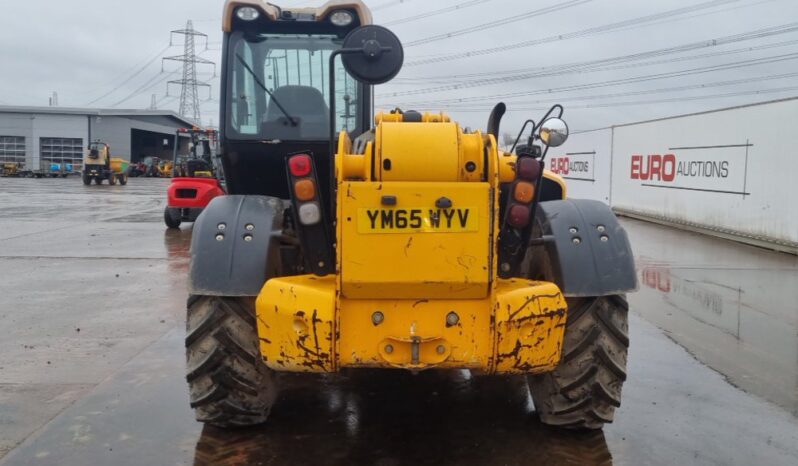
(94, 112)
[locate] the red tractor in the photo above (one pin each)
(194, 182)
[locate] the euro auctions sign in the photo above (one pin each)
(574, 165)
(718, 168)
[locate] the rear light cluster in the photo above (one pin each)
(307, 201)
(305, 189)
(522, 192)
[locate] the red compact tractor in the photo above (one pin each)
(194, 182)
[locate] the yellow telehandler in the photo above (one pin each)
(399, 240)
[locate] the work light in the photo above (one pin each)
(341, 18)
(247, 13)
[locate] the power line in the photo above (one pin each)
(609, 64)
(130, 78)
(688, 87)
(499, 22)
(631, 80)
(152, 82)
(389, 4)
(642, 102)
(637, 22)
(429, 14)
(746, 36)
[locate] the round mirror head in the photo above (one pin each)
(381, 55)
(554, 132)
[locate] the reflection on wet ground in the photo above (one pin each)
(114, 392)
(734, 307)
(391, 418)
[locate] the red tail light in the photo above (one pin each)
(300, 165)
(527, 168)
(518, 216)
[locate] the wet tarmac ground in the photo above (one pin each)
(92, 295)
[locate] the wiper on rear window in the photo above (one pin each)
(291, 119)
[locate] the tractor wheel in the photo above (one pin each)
(229, 384)
(123, 180)
(584, 390)
(172, 217)
(111, 179)
(86, 180)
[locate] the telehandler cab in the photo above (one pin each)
(413, 244)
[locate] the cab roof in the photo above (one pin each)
(274, 12)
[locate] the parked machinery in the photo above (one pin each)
(11, 169)
(98, 165)
(414, 244)
(195, 183)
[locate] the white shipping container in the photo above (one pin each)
(730, 171)
(584, 161)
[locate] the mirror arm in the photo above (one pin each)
(521, 133)
(548, 114)
(545, 151)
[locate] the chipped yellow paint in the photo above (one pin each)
(519, 329)
(530, 325)
(296, 317)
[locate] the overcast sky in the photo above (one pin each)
(94, 52)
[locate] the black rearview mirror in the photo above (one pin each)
(372, 54)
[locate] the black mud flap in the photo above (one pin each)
(585, 251)
(235, 246)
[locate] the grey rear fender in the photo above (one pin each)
(585, 250)
(224, 262)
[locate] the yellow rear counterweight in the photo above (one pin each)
(416, 283)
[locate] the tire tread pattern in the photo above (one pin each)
(228, 383)
(583, 392)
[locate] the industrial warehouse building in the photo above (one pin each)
(36, 137)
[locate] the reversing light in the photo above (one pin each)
(518, 217)
(305, 190)
(341, 18)
(247, 13)
(523, 192)
(527, 168)
(309, 214)
(300, 165)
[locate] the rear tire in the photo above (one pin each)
(228, 382)
(123, 180)
(111, 180)
(172, 217)
(584, 390)
(86, 180)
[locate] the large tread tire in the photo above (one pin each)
(584, 390)
(172, 217)
(86, 180)
(230, 386)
